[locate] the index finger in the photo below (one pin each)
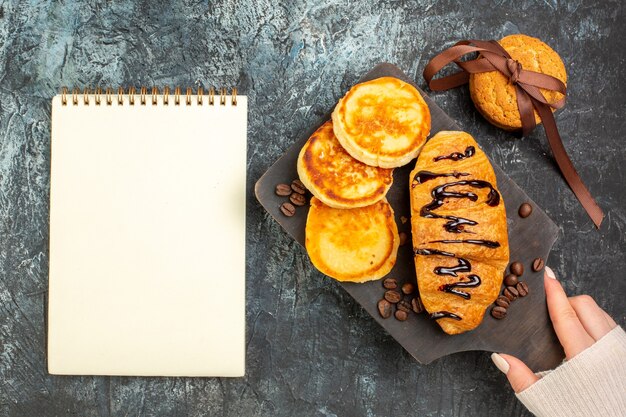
(567, 326)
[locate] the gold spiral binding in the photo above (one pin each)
(108, 93)
(142, 95)
(200, 96)
(211, 96)
(177, 96)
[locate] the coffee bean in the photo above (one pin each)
(401, 315)
(511, 293)
(522, 289)
(502, 301)
(525, 210)
(403, 238)
(416, 305)
(283, 190)
(404, 306)
(510, 280)
(393, 296)
(298, 187)
(538, 264)
(384, 308)
(390, 283)
(517, 268)
(288, 209)
(297, 199)
(408, 288)
(498, 312)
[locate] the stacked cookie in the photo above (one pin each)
(347, 164)
(494, 95)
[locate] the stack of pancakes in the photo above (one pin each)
(348, 165)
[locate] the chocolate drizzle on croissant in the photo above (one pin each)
(423, 176)
(459, 231)
(488, 243)
(457, 156)
(463, 266)
(474, 281)
(456, 224)
(440, 193)
(441, 314)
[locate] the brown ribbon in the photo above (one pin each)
(494, 57)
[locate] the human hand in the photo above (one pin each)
(578, 323)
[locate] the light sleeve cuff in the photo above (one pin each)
(593, 383)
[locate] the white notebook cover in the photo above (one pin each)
(147, 238)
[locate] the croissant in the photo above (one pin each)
(459, 229)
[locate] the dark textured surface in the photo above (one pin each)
(421, 337)
(312, 350)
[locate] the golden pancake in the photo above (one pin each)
(336, 178)
(383, 122)
(357, 245)
(459, 229)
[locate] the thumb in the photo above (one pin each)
(519, 375)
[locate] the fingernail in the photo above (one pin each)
(500, 363)
(550, 272)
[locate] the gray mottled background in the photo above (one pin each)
(312, 350)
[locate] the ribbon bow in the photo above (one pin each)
(493, 57)
(515, 68)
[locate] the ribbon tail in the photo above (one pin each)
(448, 56)
(525, 109)
(565, 164)
(451, 81)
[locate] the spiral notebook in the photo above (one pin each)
(147, 233)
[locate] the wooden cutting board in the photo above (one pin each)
(526, 332)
